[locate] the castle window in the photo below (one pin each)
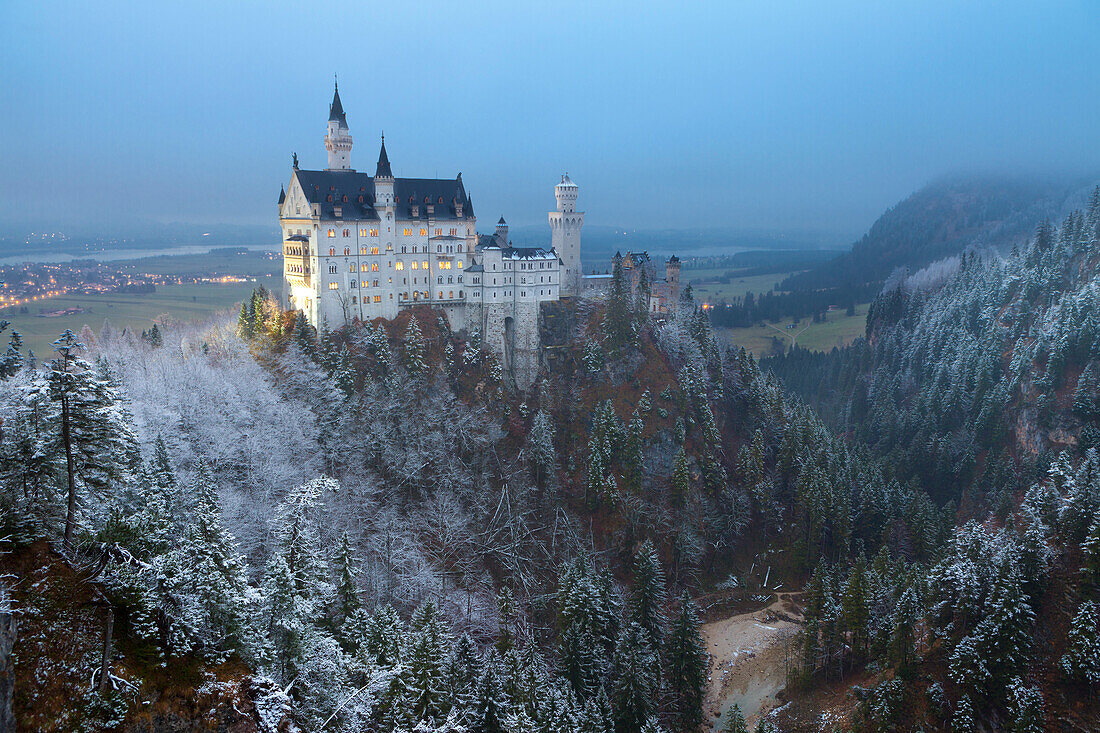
(374, 267)
(375, 283)
(450, 279)
(427, 199)
(399, 266)
(423, 231)
(460, 264)
(440, 280)
(441, 295)
(439, 248)
(378, 298)
(353, 300)
(461, 294)
(408, 232)
(425, 265)
(438, 231)
(453, 231)
(440, 200)
(332, 232)
(333, 286)
(332, 269)
(351, 267)
(362, 250)
(347, 251)
(345, 198)
(330, 198)
(374, 251)
(374, 232)
(415, 265)
(450, 294)
(362, 232)
(351, 285)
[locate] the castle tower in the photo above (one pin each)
(672, 277)
(502, 232)
(338, 138)
(565, 235)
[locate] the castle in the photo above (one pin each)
(359, 247)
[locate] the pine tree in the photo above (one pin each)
(681, 480)
(90, 425)
(305, 336)
(735, 721)
(424, 665)
(491, 707)
(598, 715)
(648, 597)
(12, 361)
(636, 684)
(415, 351)
(619, 324)
(156, 340)
(687, 666)
(540, 444)
(1026, 708)
(347, 590)
(1081, 662)
(854, 605)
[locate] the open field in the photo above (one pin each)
(737, 286)
(837, 330)
(220, 261)
(123, 310)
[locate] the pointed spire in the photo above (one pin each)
(336, 110)
(383, 169)
(282, 194)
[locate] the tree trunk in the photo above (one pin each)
(7, 669)
(105, 663)
(70, 468)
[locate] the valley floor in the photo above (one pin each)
(748, 660)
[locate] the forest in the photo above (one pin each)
(249, 523)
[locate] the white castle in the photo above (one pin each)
(359, 247)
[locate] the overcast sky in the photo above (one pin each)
(738, 114)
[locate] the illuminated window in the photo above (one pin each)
(333, 286)
(347, 251)
(425, 265)
(362, 232)
(460, 264)
(362, 250)
(450, 294)
(351, 267)
(374, 250)
(332, 232)
(408, 232)
(374, 232)
(441, 295)
(399, 266)
(378, 298)
(347, 232)
(423, 231)
(453, 231)
(374, 267)
(438, 232)
(331, 251)
(415, 265)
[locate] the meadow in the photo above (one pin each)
(838, 329)
(123, 310)
(710, 289)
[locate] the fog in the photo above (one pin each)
(740, 115)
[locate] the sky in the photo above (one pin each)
(743, 114)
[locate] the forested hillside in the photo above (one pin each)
(977, 381)
(267, 528)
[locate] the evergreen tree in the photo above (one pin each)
(636, 684)
(491, 707)
(1026, 708)
(12, 361)
(681, 480)
(619, 324)
(735, 721)
(648, 597)
(347, 590)
(415, 351)
(540, 444)
(687, 666)
(90, 426)
(1081, 662)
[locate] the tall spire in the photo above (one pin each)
(336, 110)
(383, 169)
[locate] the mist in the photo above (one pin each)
(779, 116)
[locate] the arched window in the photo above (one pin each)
(331, 251)
(347, 232)
(451, 294)
(347, 251)
(332, 232)
(441, 295)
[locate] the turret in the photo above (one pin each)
(502, 232)
(338, 137)
(565, 235)
(672, 277)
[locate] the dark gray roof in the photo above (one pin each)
(282, 195)
(528, 253)
(336, 110)
(383, 168)
(475, 268)
(488, 240)
(329, 189)
(501, 221)
(297, 238)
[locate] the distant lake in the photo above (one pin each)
(112, 255)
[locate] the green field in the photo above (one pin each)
(123, 310)
(710, 290)
(837, 330)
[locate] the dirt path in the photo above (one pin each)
(747, 660)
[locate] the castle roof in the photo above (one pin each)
(529, 253)
(336, 110)
(354, 194)
(383, 162)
